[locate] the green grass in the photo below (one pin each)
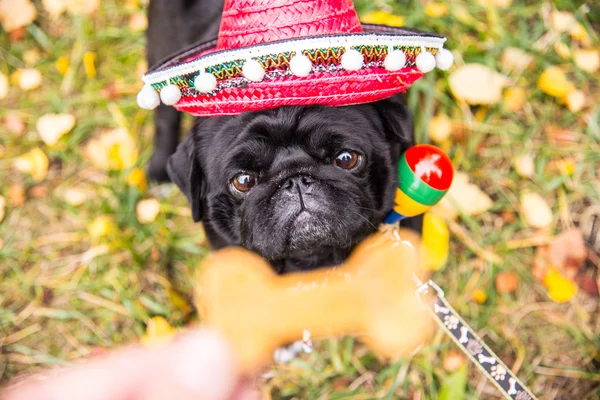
(62, 295)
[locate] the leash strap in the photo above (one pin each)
(472, 345)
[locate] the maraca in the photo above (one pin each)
(425, 174)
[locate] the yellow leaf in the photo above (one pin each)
(101, 226)
(147, 210)
(62, 65)
(535, 210)
(137, 178)
(29, 79)
(440, 128)
(2, 208)
(112, 150)
(553, 81)
(479, 296)
(435, 242)
(15, 14)
(74, 196)
(52, 127)
(3, 86)
(524, 165)
(587, 60)
(89, 59)
(179, 301)
(34, 162)
(436, 9)
(381, 17)
(158, 331)
(514, 98)
(579, 33)
(562, 49)
(560, 289)
(477, 84)
(464, 196)
(575, 100)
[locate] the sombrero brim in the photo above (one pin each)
(205, 82)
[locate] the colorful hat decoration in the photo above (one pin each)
(272, 53)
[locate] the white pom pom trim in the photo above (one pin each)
(253, 71)
(205, 82)
(300, 65)
(395, 60)
(352, 60)
(444, 59)
(170, 94)
(425, 61)
(148, 98)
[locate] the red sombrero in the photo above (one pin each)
(273, 53)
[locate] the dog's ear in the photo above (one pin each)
(397, 120)
(185, 171)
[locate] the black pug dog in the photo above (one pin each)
(300, 186)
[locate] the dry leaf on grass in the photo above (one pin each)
(477, 84)
(440, 128)
(524, 165)
(147, 210)
(587, 60)
(137, 178)
(514, 98)
(101, 226)
(554, 82)
(562, 50)
(138, 22)
(13, 124)
(158, 331)
(15, 14)
(3, 86)
(2, 208)
(34, 162)
(506, 282)
(382, 18)
(561, 136)
(81, 7)
(54, 7)
(464, 196)
(435, 242)
(436, 10)
(74, 196)
(560, 289)
(514, 59)
(567, 250)
(535, 210)
(89, 64)
(29, 79)
(562, 21)
(112, 150)
(16, 195)
(52, 127)
(575, 100)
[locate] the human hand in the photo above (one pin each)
(198, 366)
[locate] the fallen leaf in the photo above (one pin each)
(579, 33)
(138, 22)
(16, 195)
(62, 65)
(179, 302)
(13, 124)
(3, 86)
(479, 296)
(554, 82)
(514, 98)
(2, 208)
(524, 165)
(31, 57)
(436, 10)
(54, 7)
(52, 127)
(38, 191)
(440, 128)
(535, 210)
(17, 35)
(575, 100)
(34, 162)
(29, 79)
(495, 3)
(477, 84)
(435, 242)
(382, 18)
(453, 361)
(158, 331)
(560, 289)
(506, 282)
(112, 150)
(81, 7)
(562, 21)
(562, 50)
(587, 60)
(101, 226)
(515, 59)
(561, 136)
(74, 196)
(15, 14)
(89, 64)
(567, 250)
(137, 178)
(464, 196)
(588, 285)
(147, 210)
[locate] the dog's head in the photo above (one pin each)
(299, 185)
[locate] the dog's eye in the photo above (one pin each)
(244, 182)
(347, 159)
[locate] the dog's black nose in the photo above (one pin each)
(298, 183)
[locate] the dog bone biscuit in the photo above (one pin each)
(371, 296)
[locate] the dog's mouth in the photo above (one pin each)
(309, 230)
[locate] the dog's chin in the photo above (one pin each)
(309, 230)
